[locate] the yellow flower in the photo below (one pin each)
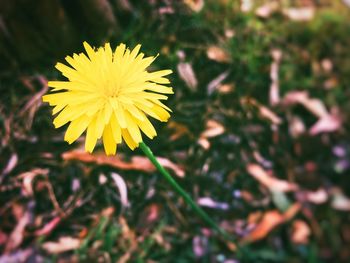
(110, 95)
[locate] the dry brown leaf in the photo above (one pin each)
(180, 130)
(270, 220)
(226, 88)
(269, 181)
(209, 202)
(187, 74)
(215, 83)
(138, 163)
(317, 197)
(328, 123)
(218, 54)
(28, 178)
(11, 164)
(263, 111)
(300, 232)
(267, 9)
(17, 234)
(64, 244)
(296, 126)
(270, 115)
(3, 238)
(213, 129)
(195, 5)
(169, 164)
(47, 228)
(300, 14)
(122, 188)
(150, 215)
(246, 5)
(274, 95)
(294, 97)
(204, 142)
(340, 201)
(347, 2)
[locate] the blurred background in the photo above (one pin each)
(259, 135)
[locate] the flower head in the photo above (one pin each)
(110, 95)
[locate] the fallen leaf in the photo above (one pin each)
(263, 111)
(150, 215)
(300, 232)
(226, 88)
(17, 235)
(3, 238)
(47, 228)
(204, 142)
(300, 14)
(274, 95)
(187, 74)
(218, 54)
(19, 255)
(267, 9)
(269, 181)
(339, 200)
(328, 123)
(64, 244)
(200, 246)
(327, 65)
(347, 2)
(270, 115)
(315, 106)
(270, 220)
(11, 164)
(215, 83)
(138, 163)
(294, 97)
(213, 129)
(209, 202)
(122, 188)
(195, 5)
(179, 130)
(246, 5)
(296, 126)
(317, 197)
(28, 178)
(169, 164)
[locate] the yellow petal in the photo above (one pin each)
(135, 51)
(133, 129)
(128, 139)
(66, 115)
(91, 138)
(163, 114)
(119, 52)
(108, 141)
(116, 130)
(135, 112)
(161, 89)
(76, 128)
(119, 113)
(147, 127)
(100, 124)
(89, 51)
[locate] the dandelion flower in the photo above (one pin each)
(110, 95)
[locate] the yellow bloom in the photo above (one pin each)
(110, 95)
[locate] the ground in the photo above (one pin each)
(259, 135)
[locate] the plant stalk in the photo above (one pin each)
(147, 151)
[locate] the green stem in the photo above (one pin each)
(147, 151)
